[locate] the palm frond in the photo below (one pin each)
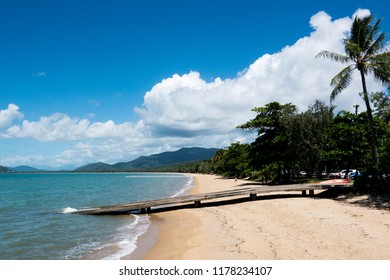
(352, 49)
(380, 67)
(333, 56)
(376, 46)
(373, 31)
(360, 29)
(341, 81)
(364, 49)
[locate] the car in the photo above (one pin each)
(352, 175)
(343, 172)
(302, 173)
(334, 175)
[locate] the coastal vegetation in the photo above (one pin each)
(294, 146)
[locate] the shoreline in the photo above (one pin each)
(288, 227)
(147, 241)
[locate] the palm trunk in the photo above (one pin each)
(374, 142)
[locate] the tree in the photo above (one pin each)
(315, 123)
(347, 145)
(232, 161)
(381, 103)
(273, 150)
(364, 50)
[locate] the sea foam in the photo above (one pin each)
(68, 210)
(127, 236)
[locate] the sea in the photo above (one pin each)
(36, 220)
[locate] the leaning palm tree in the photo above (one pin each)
(365, 51)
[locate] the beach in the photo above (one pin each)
(277, 227)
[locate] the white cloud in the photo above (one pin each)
(53, 128)
(187, 105)
(61, 127)
(40, 74)
(94, 102)
(360, 13)
(9, 114)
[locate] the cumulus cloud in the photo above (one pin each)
(187, 105)
(9, 114)
(61, 127)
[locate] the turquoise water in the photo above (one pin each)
(35, 222)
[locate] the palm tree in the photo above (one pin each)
(364, 51)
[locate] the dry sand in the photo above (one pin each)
(279, 228)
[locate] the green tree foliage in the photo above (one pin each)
(314, 141)
(288, 141)
(233, 161)
(348, 142)
(274, 150)
(313, 137)
(381, 103)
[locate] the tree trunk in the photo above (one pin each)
(374, 142)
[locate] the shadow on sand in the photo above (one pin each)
(377, 201)
(225, 202)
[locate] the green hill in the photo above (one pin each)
(183, 155)
(95, 167)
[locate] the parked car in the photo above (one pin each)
(352, 175)
(343, 172)
(334, 175)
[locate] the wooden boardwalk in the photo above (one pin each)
(196, 200)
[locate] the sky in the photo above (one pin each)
(112, 80)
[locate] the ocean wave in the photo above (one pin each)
(68, 210)
(81, 249)
(126, 237)
(186, 188)
(123, 239)
(122, 242)
(154, 176)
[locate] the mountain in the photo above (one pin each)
(148, 162)
(95, 167)
(25, 168)
(56, 169)
(4, 169)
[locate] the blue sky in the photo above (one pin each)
(94, 80)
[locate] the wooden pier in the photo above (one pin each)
(196, 200)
